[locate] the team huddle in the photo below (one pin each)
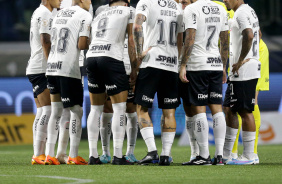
(175, 49)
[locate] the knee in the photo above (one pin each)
(77, 109)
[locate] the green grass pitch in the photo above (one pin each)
(15, 167)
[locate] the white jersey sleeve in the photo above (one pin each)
(143, 7)
(190, 18)
(85, 25)
(243, 21)
(225, 26)
(46, 23)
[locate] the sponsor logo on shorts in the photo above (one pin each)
(73, 126)
(170, 100)
(253, 101)
(215, 95)
(167, 61)
(214, 61)
(35, 88)
(202, 96)
(65, 100)
(92, 85)
(98, 48)
(50, 88)
(111, 87)
(147, 99)
(233, 100)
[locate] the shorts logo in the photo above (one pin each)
(35, 88)
(92, 85)
(73, 126)
(253, 101)
(111, 87)
(50, 88)
(202, 97)
(147, 99)
(215, 95)
(170, 100)
(167, 61)
(65, 100)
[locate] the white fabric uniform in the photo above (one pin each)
(69, 24)
(108, 32)
(126, 60)
(209, 19)
(244, 17)
(164, 20)
(41, 22)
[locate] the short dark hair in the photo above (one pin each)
(114, 1)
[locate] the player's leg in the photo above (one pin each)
(36, 120)
(106, 131)
(256, 114)
(63, 136)
(219, 124)
(234, 153)
(146, 87)
(53, 123)
(131, 130)
(198, 97)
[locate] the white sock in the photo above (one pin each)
(190, 124)
(34, 126)
(219, 130)
(105, 132)
(167, 141)
(249, 143)
(93, 129)
(131, 131)
(75, 129)
(117, 127)
(148, 136)
(53, 127)
(64, 132)
(41, 133)
(230, 138)
(202, 134)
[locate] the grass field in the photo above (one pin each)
(15, 167)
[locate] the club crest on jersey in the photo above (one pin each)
(162, 3)
(215, 10)
(206, 10)
(172, 5)
(66, 13)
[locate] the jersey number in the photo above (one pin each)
(211, 30)
(172, 35)
(255, 51)
(102, 27)
(63, 41)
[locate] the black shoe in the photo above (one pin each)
(199, 161)
(94, 161)
(121, 161)
(217, 160)
(151, 157)
(164, 161)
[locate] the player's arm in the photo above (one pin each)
(132, 55)
(83, 43)
(179, 43)
(45, 39)
(224, 48)
(84, 33)
(138, 35)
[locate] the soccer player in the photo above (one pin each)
(40, 31)
(107, 75)
(205, 22)
(131, 116)
(262, 85)
(70, 32)
(163, 26)
(245, 71)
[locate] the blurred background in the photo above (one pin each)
(16, 98)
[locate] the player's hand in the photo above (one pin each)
(144, 53)
(182, 74)
(133, 77)
(236, 67)
(224, 77)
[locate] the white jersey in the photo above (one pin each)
(69, 24)
(108, 32)
(244, 17)
(41, 22)
(126, 59)
(164, 20)
(209, 19)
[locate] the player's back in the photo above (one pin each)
(68, 25)
(164, 20)
(209, 19)
(41, 21)
(108, 32)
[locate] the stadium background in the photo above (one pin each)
(16, 98)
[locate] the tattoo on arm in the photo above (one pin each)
(189, 44)
(224, 47)
(246, 43)
(46, 44)
(143, 123)
(138, 34)
(131, 48)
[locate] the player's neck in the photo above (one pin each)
(238, 5)
(47, 5)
